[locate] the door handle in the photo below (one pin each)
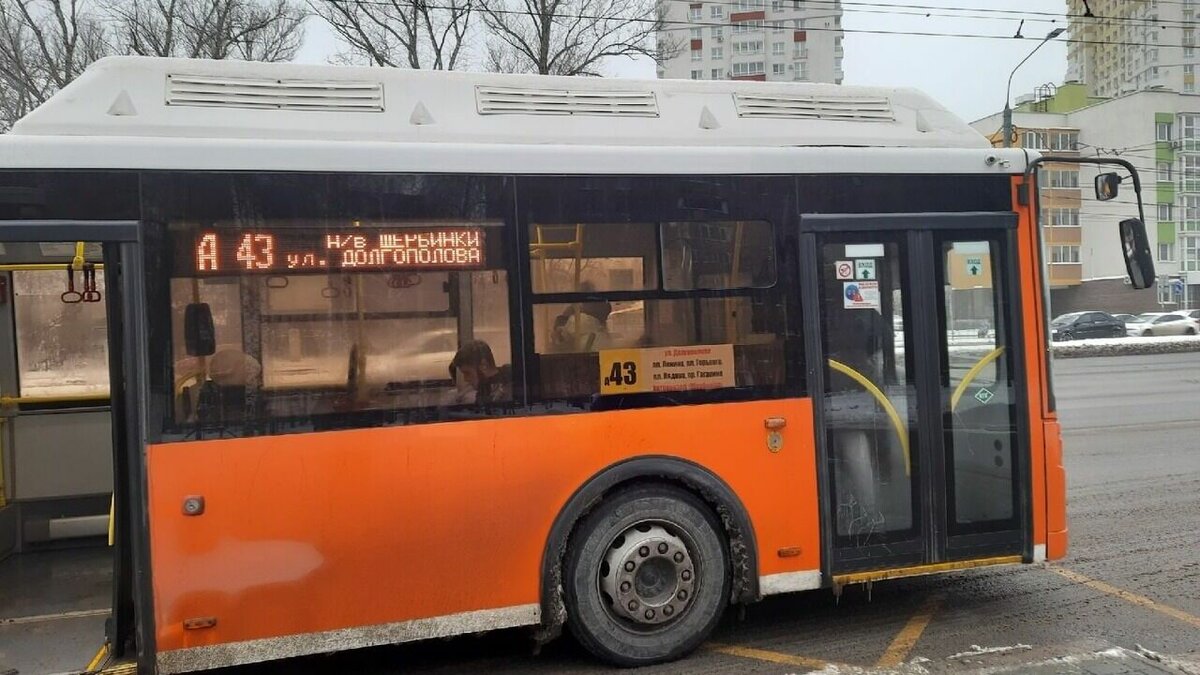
(775, 423)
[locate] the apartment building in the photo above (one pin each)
(1158, 131)
(767, 40)
(1128, 45)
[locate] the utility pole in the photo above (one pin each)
(1008, 125)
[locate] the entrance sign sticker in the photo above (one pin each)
(860, 295)
(864, 270)
(974, 266)
(636, 371)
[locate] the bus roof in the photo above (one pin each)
(140, 112)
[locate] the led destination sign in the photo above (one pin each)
(360, 249)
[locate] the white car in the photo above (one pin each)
(1161, 323)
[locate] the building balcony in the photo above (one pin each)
(1065, 274)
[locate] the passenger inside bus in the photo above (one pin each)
(474, 365)
(583, 326)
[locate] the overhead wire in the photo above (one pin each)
(680, 24)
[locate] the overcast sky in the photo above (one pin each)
(967, 75)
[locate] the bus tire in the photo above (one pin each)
(647, 576)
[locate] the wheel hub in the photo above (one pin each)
(651, 576)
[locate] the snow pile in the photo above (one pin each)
(1127, 345)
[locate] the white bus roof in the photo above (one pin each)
(151, 113)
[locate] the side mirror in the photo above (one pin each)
(1107, 186)
(199, 335)
(1135, 246)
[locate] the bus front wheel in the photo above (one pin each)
(647, 576)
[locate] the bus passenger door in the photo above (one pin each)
(920, 418)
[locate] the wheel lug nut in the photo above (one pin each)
(644, 551)
(686, 575)
(633, 605)
(668, 610)
(678, 556)
(625, 586)
(662, 548)
(682, 595)
(649, 614)
(629, 566)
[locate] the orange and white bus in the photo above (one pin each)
(399, 355)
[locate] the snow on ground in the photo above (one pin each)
(1128, 345)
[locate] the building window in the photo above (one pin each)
(1060, 217)
(746, 69)
(776, 5)
(1166, 252)
(1164, 213)
(778, 26)
(694, 12)
(747, 26)
(716, 12)
(717, 52)
(1163, 131)
(1064, 140)
(1064, 254)
(747, 48)
(1188, 125)
(1164, 171)
(1035, 140)
(697, 54)
(777, 49)
(777, 69)
(1191, 212)
(801, 70)
(718, 73)
(697, 33)
(697, 74)
(1191, 254)
(1058, 178)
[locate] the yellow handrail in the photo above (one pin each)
(972, 374)
(897, 424)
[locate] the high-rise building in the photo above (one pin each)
(1131, 45)
(775, 40)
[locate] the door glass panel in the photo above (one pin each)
(870, 394)
(977, 390)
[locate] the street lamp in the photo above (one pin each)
(1008, 127)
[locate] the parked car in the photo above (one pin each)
(1193, 314)
(1084, 325)
(1126, 317)
(1161, 323)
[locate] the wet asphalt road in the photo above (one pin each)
(1131, 581)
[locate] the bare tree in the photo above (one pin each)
(44, 44)
(400, 33)
(572, 37)
(257, 30)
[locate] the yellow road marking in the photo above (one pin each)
(769, 656)
(1127, 596)
(907, 638)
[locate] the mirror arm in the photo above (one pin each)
(1114, 161)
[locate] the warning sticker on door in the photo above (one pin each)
(860, 295)
(635, 371)
(845, 269)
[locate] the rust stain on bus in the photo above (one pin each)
(919, 570)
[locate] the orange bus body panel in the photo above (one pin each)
(321, 531)
(1048, 480)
